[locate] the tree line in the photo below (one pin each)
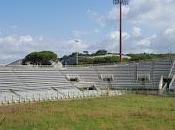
(99, 57)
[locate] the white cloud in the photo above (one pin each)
(40, 38)
(75, 45)
(25, 39)
(79, 33)
(8, 39)
(115, 35)
(131, 44)
(13, 26)
(113, 15)
(96, 30)
(155, 13)
(16, 39)
(13, 47)
(97, 17)
(149, 25)
(170, 30)
(145, 42)
(106, 18)
(137, 32)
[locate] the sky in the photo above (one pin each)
(56, 25)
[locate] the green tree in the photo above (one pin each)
(40, 58)
(101, 52)
(101, 60)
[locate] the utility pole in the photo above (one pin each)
(120, 3)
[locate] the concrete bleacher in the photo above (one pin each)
(172, 77)
(45, 82)
(156, 69)
(26, 82)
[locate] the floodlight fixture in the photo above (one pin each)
(123, 2)
(120, 3)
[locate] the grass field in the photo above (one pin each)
(129, 112)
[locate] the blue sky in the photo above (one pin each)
(35, 25)
(51, 18)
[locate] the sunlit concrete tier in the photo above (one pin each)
(124, 76)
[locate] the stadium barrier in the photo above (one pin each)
(84, 95)
(66, 96)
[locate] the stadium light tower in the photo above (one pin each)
(120, 3)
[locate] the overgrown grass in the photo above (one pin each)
(129, 112)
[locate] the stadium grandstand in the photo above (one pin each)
(23, 82)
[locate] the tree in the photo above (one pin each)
(40, 58)
(101, 52)
(86, 52)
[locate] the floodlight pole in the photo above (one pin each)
(120, 39)
(120, 3)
